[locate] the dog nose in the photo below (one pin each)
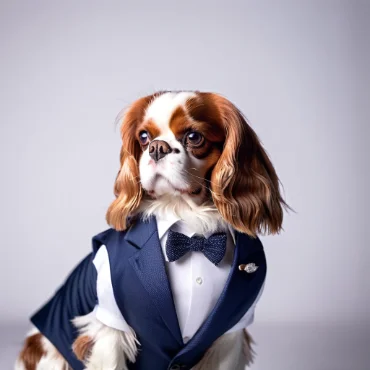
(159, 149)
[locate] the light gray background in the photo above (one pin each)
(299, 70)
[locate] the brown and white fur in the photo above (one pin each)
(213, 172)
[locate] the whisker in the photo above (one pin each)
(197, 176)
(202, 185)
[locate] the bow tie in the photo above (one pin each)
(213, 248)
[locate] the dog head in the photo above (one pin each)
(194, 149)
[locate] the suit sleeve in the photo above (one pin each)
(76, 297)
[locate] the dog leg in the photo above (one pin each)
(100, 347)
(39, 354)
(231, 351)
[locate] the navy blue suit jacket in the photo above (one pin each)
(143, 295)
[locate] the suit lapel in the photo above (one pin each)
(149, 266)
(242, 288)
(240, 292)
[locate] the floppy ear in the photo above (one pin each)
(127, 188)
(245, 187)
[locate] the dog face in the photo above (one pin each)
(195, 146)
(178, 147)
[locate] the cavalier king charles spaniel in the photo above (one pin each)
(192, 158)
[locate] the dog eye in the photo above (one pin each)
(194, 138)
(144, 137)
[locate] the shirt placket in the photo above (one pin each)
(198, 296)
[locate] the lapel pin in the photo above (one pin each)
(249, 268)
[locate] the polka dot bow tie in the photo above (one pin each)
(213, 248)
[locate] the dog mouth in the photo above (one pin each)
(197, 191)
(192, 191)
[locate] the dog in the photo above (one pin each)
(173, 284)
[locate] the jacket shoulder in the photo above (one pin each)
(107, 238)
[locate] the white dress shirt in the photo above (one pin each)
(196, 284)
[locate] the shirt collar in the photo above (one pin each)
(164, 224)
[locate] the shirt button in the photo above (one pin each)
(199, 280)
